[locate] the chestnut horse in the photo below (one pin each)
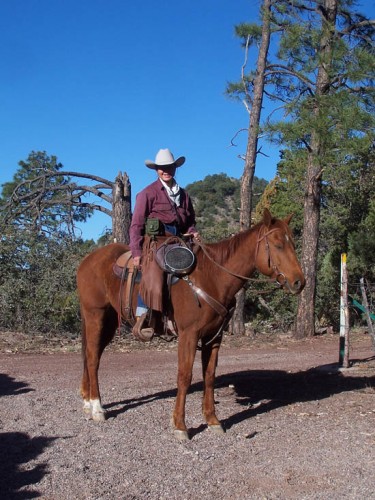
(198, 309)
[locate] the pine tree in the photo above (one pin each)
(326, 81)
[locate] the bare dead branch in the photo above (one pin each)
(247, 94)
(99, 208)
(93, 177)
(236, 134)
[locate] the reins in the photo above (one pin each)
(240, 276)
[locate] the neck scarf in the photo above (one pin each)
(173, 192)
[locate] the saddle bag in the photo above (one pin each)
(153, 227)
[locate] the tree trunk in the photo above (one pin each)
(237, 324)
(121, 208)
(305, 320)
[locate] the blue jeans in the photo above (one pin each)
(171, 229)
(141, 307)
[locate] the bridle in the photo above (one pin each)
(271, 264)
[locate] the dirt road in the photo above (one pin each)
(295, 426)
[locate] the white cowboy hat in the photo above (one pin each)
(164, 158)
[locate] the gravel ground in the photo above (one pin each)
(296, 427)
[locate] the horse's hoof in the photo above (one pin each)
(181, 435)
(217, 429)
(99, 417)
(87, 408)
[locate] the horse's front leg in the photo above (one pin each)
(186, 354)
(209, 363)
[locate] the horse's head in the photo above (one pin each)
(275, 253)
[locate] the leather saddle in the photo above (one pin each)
(124, 269)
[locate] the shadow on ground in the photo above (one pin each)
(10, 386)
(278, 388)
(16, 478)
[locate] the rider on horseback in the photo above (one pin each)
(166, 207)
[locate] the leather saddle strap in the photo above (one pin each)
(216, 306)
(127, 296)
(128, 292)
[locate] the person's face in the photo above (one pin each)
(166, 174)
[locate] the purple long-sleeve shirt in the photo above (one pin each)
(153, 201)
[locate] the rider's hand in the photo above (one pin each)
(192, 235)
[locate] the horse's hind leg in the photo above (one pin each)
(209, 362)
(99, 329)
(85, 383)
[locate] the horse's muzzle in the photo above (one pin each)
(295, 288)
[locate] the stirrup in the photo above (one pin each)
(143, 334)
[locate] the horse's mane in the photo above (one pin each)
(222, 250)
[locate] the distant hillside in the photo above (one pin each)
(217, 201)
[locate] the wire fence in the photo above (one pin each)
(356, 306)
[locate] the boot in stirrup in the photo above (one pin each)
(143, 334)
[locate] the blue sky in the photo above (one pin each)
(103, 84)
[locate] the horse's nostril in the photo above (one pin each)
(297, 285)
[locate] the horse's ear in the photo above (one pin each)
(267, 217)
(288, 219)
